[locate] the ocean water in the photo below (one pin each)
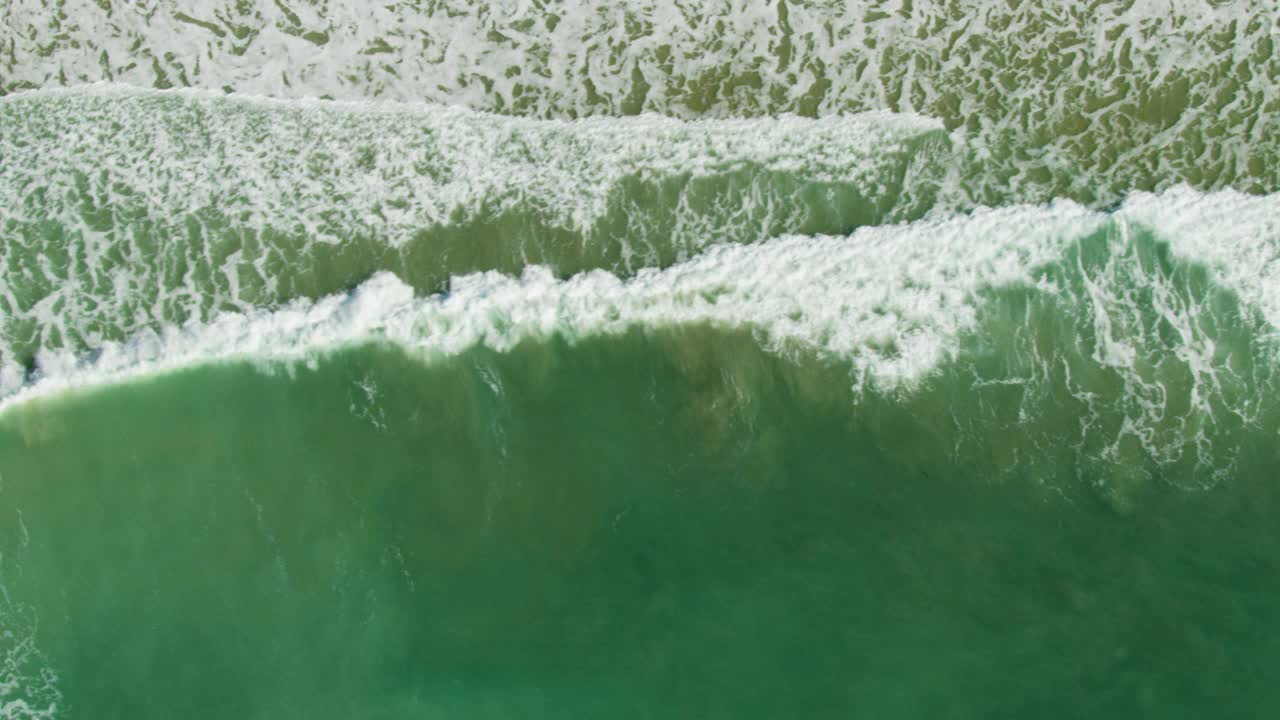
(643, 360)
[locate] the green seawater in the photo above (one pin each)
(882, 359)
(667, 523)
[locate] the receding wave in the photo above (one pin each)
(1083, 100)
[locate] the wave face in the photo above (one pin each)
(891, 300)
(647, 359)
(1085, 100)
(1096, 315)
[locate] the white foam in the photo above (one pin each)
(1152, 346)
(1237, 236)
(891, 301)
(534, 57)
(387, 170)
(1125, 94)
(28, 686)
(123, 209)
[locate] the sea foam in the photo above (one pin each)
(1086, 100)
(123, 209)
(889, 300)
(389, 170)
(1158, 343)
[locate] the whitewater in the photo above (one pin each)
(535, 358)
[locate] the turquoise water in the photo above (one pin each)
(886, 360)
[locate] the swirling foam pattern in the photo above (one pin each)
(1087, 100)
